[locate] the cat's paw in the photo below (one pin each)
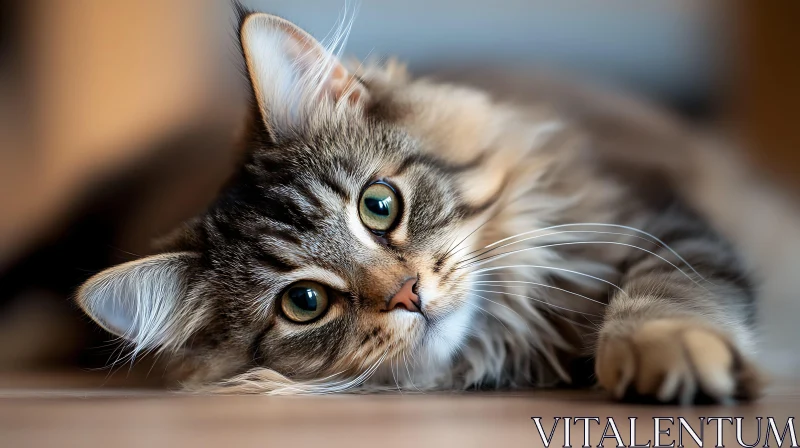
(674, 360)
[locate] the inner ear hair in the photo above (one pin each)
(144, 301)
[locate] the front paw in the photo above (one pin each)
(673, 360)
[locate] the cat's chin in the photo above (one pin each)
(445, 338)
(426, 364)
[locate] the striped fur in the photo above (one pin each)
(539, 243)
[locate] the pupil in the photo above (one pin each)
(378, 206)
(304, 298)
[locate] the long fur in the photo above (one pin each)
(536, 235)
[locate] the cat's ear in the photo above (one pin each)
(291, 73)
(144, 301)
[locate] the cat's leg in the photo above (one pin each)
(677, 336)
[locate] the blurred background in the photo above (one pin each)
(117, 121)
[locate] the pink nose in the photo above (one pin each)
(405, 298)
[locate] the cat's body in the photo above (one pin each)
(533, 242)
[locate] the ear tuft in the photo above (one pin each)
(292, 74)
(143, 300)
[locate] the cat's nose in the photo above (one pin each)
(405, 298)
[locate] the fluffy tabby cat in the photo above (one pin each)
(388, 232)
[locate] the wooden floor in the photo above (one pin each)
(34, 415)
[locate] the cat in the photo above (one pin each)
(388, 232)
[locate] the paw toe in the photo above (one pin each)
(712, 359)
(672, 360)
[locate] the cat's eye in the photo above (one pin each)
(379, 207)
(304, 301)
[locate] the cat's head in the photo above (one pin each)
(332, 249)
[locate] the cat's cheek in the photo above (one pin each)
(437, 302)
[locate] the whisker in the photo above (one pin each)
(453, 248)
(494, 215)
(471, 290)
(572, 243)
(620, 226)
(483, 271)
(410, 380)
(484, 310)
(391, 369)
(360, 379)
(318, 387)
(535, 300)
(554, 314)
(543, 285)
(546, 235)
(321, 387)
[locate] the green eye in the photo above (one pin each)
(379, 207)
(304, 301)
